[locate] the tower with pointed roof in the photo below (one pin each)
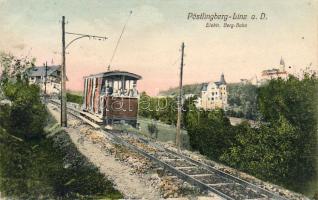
(282, 65)
(222, 79)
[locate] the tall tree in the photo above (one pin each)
(26, 116)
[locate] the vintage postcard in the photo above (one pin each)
(159, 99)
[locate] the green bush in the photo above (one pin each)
(244, 98)
(153, 129)
(49, 168)
(31, 165)
(163, 109)
(281, 148)
(26, 117)
(267, 152)
(294, 100)
(74, 98)
(210, 132)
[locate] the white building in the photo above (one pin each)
(275, 73)
(214, 95)
(49, 76)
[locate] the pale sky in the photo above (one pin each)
(151, 43)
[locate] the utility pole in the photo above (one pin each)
(178, 135)
(45, 81)
(63, 69)
(63, 80)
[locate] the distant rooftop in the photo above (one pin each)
(40, 70)
(272, 72)
(218, 83)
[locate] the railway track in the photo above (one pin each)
(202, 175)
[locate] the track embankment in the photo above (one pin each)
(141, 168)
(129, 184)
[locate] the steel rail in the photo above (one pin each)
(219, 172)
(183, 175)
(231, 177)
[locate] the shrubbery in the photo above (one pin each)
(242, 100)
(153, 130)
(280, 148)
(74, 98)
(33, 166)
(163, 109)
(210, 132)
(26, 117)
(295, 102)
(49, 169)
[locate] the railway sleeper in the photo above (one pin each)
(218, 184)
(265, 193)
(200, 175)
(238, 190)
(170, 159)
(193, 180)
(188, 167)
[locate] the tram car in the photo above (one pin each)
(111, 97)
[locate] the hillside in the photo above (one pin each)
(191, 89)
(242, 98)
(187, 89)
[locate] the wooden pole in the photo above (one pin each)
(178, 134)
(45, 81)
(63, 80)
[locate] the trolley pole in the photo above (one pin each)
(63, 79)
(178, 134)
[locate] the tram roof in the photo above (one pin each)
(116, 74)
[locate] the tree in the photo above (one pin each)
(242, 99)
(153, 129)
(163, 109)
(294, 99)
(144, 105)
(267, 152)
(210, 132)
(14, 68)
(26, 117)
(280, 148)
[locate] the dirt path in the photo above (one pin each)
(130, 185)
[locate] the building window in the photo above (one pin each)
(212, 93)
(212, 98)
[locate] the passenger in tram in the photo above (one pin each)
(133, 92)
